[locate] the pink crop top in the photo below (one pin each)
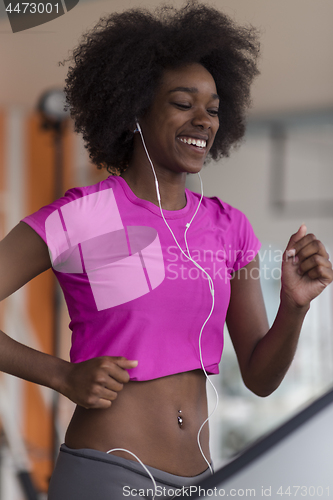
(129, 290)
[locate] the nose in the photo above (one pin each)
(201, 119)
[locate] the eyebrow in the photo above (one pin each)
(190, 90)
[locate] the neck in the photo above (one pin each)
(140, 178)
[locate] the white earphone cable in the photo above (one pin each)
(143, 465)
(210, 282)
(211, 288)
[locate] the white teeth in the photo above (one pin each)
(196, 142)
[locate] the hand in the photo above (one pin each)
(95, 383)
(306, 269)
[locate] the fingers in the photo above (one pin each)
(95, 383)
(310, 255)
(125, 363)
(302, 246)
(316, 266)
(297, 237)
(109, 378)
(307, 247)
(115, 368)
(98, 398)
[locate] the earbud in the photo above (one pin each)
(137, 129)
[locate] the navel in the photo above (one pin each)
(180, 418)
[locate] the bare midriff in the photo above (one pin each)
(144, 420)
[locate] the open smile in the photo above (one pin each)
(198, 144)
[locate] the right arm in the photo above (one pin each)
(91, 384)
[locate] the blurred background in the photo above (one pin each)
(281, 176)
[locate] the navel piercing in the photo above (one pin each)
(180, 420)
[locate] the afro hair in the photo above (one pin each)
(117, 67)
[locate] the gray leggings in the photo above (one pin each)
(94, 475)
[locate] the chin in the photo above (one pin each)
(194, 169)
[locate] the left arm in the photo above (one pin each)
(264, 355)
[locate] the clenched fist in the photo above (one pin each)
(306, 268)
(95, 383)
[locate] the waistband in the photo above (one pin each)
(134, 466)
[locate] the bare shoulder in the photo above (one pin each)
(23, 255)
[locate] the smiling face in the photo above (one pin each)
(180, 126)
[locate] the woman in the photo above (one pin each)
(154, 93)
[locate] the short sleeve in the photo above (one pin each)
(67, 226)
(243, 244)
(47, 223)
